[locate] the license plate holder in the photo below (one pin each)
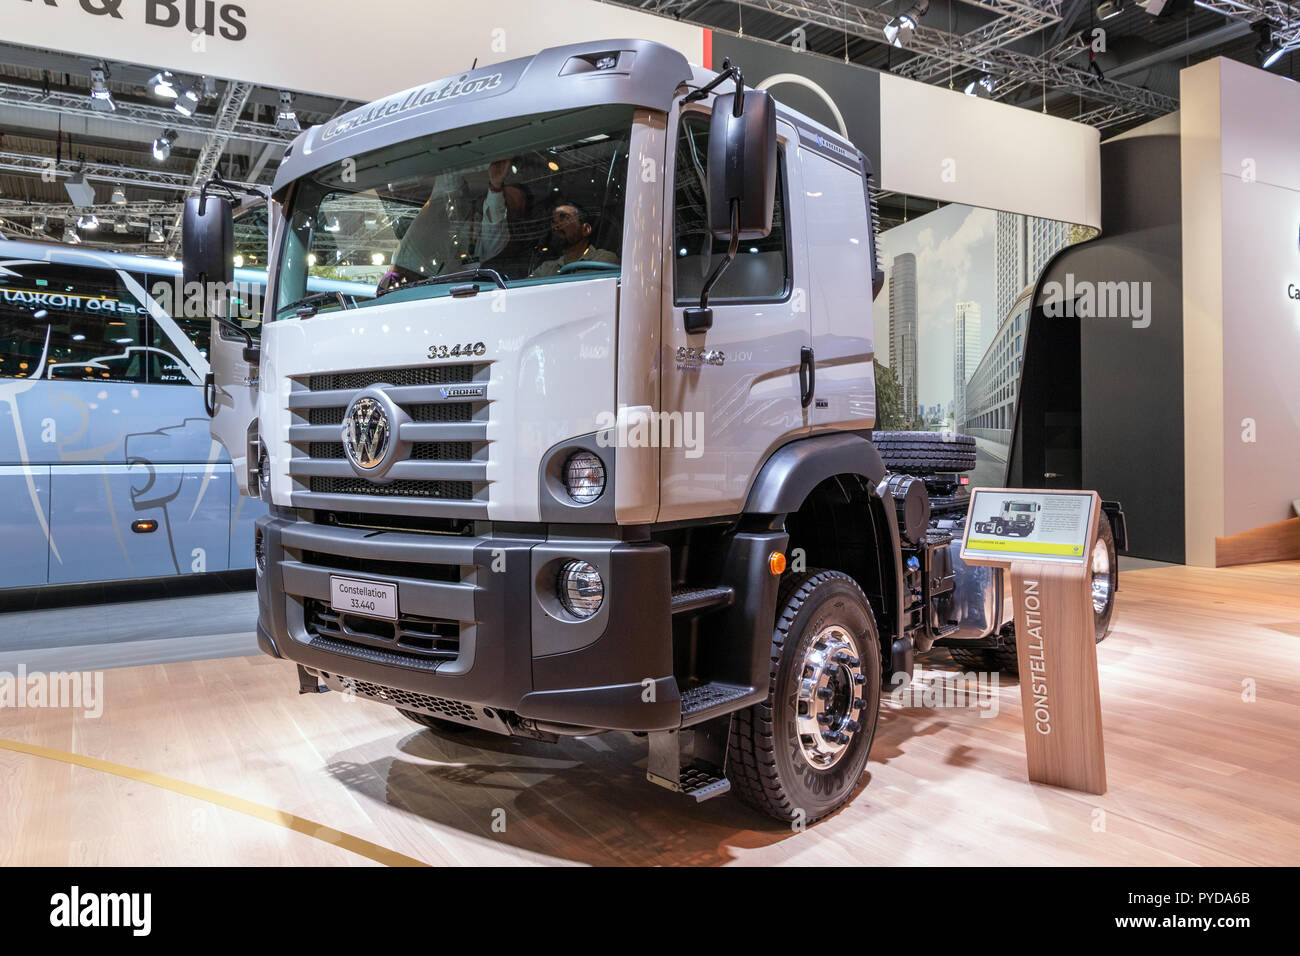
(364, 597)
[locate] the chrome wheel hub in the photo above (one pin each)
(828, 704)
(1101, 583)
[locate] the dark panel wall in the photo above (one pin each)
(1125, 380)
(854, 90)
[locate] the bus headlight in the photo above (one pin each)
(580, 589)
(584, 477)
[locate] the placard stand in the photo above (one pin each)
(1057, 652)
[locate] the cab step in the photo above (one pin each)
(690, 600)
(698, 777)
(710, 700)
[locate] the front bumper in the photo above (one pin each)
(480, 639)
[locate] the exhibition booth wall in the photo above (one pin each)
(1240, 151)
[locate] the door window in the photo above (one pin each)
(761, 268)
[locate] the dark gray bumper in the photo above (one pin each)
(512, 652)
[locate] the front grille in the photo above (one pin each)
(447, 431)
(420, 451)
(325, 416)
(448, 490)
(411, 639)
(432, 375)
(407, 698)
(389, 569)
(441, 412)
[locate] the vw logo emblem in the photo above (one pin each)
(367, 433)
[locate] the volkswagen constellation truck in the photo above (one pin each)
(597, 455)
(1016, 517)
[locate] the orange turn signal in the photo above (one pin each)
(144, 526)
(776, 562)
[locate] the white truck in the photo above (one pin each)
(598, 454)
(1015, 518)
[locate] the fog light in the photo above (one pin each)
(580, 588)
(584, 477)
(259, 549)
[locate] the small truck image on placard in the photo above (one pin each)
(1016, 517)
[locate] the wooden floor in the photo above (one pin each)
(1198, 775)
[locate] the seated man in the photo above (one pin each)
(571, 234)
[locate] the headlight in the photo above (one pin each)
(263, 472)
(584, 477)
(580, 589)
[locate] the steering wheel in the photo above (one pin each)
(586, 266)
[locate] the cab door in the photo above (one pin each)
(732, 393)
(230, 389)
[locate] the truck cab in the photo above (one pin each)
(596, 456)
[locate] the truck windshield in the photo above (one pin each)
(534, 199)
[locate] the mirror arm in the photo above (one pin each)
(700, 318)
(252, 353)
(728, 72)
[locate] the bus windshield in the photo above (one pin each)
(534, 199)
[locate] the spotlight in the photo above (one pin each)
(162, 146)
(898, 31)
(287, 118)
(981, 88)
(1267, 50)
(187, 101)
(70, 234)
(120, 225)
(155, 230)
(1108, 9)
(119, 195)
(89, 223)
(39, 223)
(163, 84)
(100, 98)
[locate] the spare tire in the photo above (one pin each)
(924, 452)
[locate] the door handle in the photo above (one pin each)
(210, 395)
(807, 376)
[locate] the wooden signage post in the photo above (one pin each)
(1044, 540)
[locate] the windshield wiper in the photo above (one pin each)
(463, 275)
(309, 305)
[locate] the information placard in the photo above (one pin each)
(1008, 524)
(1044, 540)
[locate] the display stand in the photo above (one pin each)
(1048, 559)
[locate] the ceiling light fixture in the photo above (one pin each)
(287, 118)
(162, 146)
(119, 195)
(898, 31)
(187, 101)
(163, 84)
(100, 97)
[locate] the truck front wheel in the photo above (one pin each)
(800, 754)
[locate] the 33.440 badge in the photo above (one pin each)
(456, 351)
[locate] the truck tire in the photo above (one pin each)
(800, 754)
(1105, 582)
(925, 452)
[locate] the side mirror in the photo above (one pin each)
(742, 182)
(208, 241)
(208, 258)
(742, 165)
